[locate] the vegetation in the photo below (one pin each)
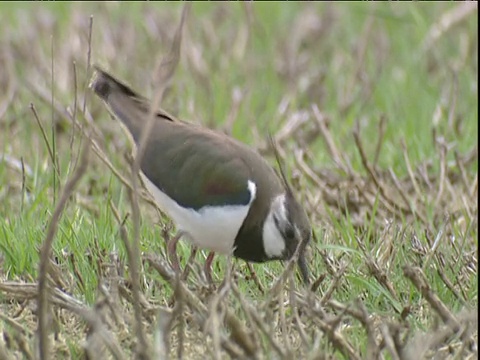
(374, 108)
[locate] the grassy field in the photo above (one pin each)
(375, 111)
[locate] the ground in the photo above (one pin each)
(374, 108)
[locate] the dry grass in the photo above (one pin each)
(394, 208)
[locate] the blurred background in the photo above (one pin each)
(374, 107)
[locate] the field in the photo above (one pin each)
(374, 109)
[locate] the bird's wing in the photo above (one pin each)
(196, 168)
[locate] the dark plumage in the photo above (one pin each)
(200, 169)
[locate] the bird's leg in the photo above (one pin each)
(254, 277)
(172, 251)
(207, 268)
(186, 271)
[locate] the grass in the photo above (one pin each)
(376, 114)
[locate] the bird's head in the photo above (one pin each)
(287, 230)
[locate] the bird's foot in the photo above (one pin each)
(188, 266)
(172, 253)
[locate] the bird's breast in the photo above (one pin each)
(212, 228)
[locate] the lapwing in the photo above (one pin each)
(222, 195)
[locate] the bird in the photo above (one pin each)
(221, 194)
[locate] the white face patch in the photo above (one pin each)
(212, 227)
(273, 241)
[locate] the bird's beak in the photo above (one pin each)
(302, 265)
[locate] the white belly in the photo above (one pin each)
(212, 227)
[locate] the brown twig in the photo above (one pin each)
(178, 312)
(327, 136)
(99, 330)
(381, 135)
(56, 164)
(254, 277)
(338, 341)
(447, 21)
(463, 173)
(283, 323)
(89, 57)
(410, 171)
(251, 342)
(299, 154)
(373, 349)
(474, 186)
(420, 344)
(163, 75)
(294, 305)
(239, 342)
(414, 207)
(45, 138)
(15, 325)
(45, 252)
(75, 102)
(334, 285)
(372, 173)
(443, 170)
(260, 324)
(450, 286)
(417, 277)
(123, 231)
(216, 311)
(24, 188)
(389, 342)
